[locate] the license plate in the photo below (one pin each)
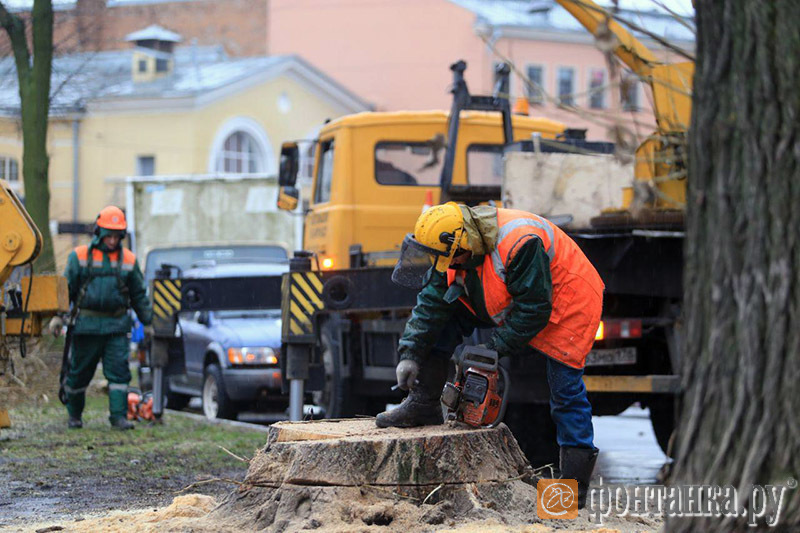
(612, 356)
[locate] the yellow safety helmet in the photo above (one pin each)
(441, 229)
(438, 234)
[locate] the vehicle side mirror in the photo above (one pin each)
(290, 164)
(203, 317)
(288, 198)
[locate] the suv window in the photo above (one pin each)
(324, 174)
(185, 257)
(408, 163)
(485, 164)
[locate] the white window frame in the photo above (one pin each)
(543, 84)
(251, 127)
(139, 165)
(589, 76)
(14, 185)
(575, 83)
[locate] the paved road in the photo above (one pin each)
(629, 452)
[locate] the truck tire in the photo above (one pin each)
(336, 397)
(216, 403)
(662, 418)
(535, 431)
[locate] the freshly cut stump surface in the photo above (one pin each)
(354, 452)
(337, 475)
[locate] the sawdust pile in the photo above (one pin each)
(334, 511)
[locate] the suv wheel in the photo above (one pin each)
(216, 403)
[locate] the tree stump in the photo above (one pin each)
(344, 474)
(356, 453)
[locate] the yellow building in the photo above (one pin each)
(163, 109)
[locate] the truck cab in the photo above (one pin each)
(375, 171)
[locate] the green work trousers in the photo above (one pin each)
(87, 351)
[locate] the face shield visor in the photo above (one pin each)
(413, 268)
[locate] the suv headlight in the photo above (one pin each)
(247, 355)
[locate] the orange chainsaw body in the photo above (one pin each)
(479, 397)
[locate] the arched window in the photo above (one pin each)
(240, 154)
(241, 146)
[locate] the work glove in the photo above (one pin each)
(149, 331)
(56, 326)
(407, 372)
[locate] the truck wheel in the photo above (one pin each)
(662, 417)
(336, 397)
(535, 431)
(216, 403)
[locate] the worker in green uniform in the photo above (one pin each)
(104, 282)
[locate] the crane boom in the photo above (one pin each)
(628, 48)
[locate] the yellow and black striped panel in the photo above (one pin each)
(166, 297)
(303, 299)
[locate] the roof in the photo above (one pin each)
(154, 32)
(104, 78)
(440, 117)
(547, 15)
(64, 5)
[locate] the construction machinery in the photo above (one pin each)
(660, 167)
(27, 302)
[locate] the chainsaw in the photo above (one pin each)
(479, 396)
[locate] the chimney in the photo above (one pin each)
(153, 56)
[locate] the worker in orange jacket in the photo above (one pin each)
(516, 272)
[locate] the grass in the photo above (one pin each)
(176, 446)
(97, 468)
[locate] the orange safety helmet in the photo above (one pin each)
(112, 218)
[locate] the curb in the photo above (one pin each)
(220, 422)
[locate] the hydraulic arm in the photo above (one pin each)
(660, 158)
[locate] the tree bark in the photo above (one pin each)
(33, 74)
(740, 421)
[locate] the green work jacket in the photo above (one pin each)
(111, 288)
(528, 281)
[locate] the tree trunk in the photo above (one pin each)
(33, 75)
(740, 422)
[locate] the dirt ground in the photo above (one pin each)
(50, 473)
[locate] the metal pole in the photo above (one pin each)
(296, 400)
(76, 191)
(158, 394)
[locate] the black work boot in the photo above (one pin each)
(122, 424)
(422, 406)
(74, 423)
(578, 464)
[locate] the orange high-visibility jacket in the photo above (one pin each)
(577, 288)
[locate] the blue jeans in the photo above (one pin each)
(569, 405)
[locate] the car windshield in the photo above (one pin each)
(250, 313)
(186, 257)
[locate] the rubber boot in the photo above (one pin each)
(121, 424)
(422, 406)
(578, 464)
